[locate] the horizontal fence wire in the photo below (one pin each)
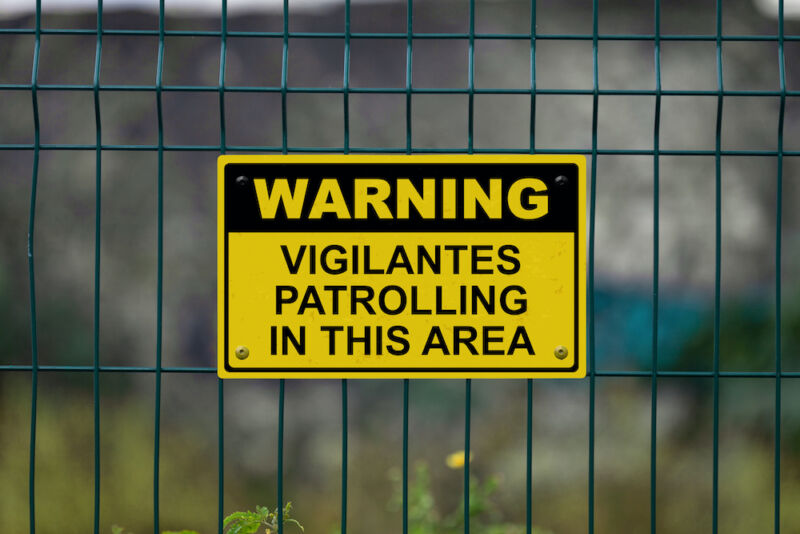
(389, 35)
(211, 370)
(364, 150)
(409, 90)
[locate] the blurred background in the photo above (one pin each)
(623, 267)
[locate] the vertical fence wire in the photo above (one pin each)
(220, 454)
(409, 51)
(656, 251)
(31, 270)
(717, 273)
(346, 122)
(406, 385)
(223, 55)
(285, 150)
(778, 270)
(467, 453)
(471, 80)
(470, 150)
(281, 407)
(344, 457)
(97, 220)
(590, 355)
(532, 141)
(346, 77)
(529, 462)
(284, 79)
(160, 267)
(529, 384)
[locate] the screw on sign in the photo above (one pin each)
(242, 352)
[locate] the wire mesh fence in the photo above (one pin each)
(409, 125)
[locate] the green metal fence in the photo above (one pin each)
(410, 37)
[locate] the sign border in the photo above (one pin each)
(576, 370)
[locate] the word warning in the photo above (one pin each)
(401, 266)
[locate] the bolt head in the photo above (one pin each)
(241, 181)
(561, 180)
(561, 352)
(242, 352)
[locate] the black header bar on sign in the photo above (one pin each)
(242, 212)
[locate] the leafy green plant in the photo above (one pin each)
(250, 522)
(244, 522)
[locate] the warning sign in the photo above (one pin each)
(401, 266)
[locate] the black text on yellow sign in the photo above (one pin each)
(401, 266)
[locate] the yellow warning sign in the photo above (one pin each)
(401, 266)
